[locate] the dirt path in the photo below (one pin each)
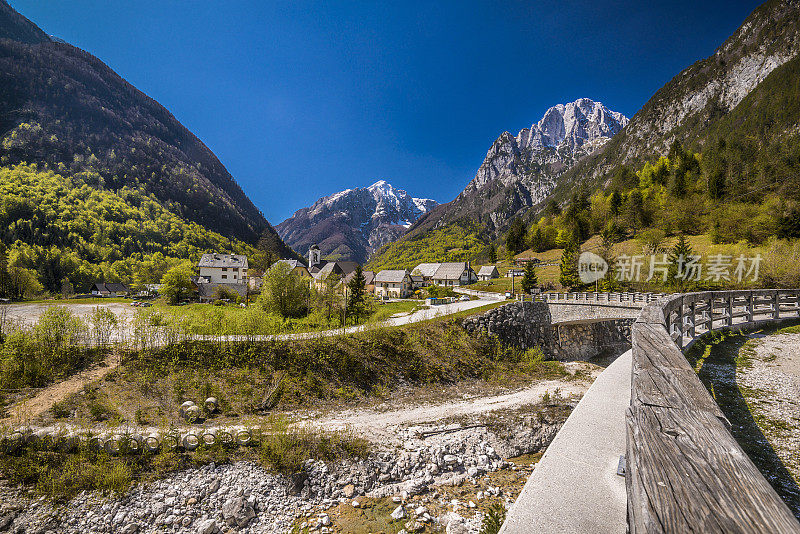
(24, 411)
(381, 425)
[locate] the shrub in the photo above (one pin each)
(102, 412)
(60, 411)
(141, 420)
(286, 448)
(493, 519)
(284, 292)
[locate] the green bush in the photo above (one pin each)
(493, 520)
(51, 349)
(286, 448)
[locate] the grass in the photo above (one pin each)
(349, 369)
(718, 360)
(385, 311)
(62, 475)
(285, 448)
(209, 320)
(549, 274)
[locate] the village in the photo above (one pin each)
(228, 277)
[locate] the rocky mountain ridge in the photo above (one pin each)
(351, 224)
(520, 171)
(701, 94)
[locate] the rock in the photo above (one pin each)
(296, 483)
(348, 491)
(356, 504)
(131, 528)
(208, 526)
(324, 520)
(456, 524)
(238, 512)
(399, 513)
(7, 519)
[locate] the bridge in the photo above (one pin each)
(647, 449)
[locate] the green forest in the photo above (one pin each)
(449, 243)
(62, 232)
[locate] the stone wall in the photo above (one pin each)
(529, 324)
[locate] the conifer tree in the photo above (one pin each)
(492, 253)
(678, 256)
(356, 304)
(529, 280)
(569, 265)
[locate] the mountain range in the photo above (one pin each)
(65, 110)
(740, 105)
(351, 224)
(520, 171)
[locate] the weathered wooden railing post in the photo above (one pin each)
(684, 470)
(729, 310)
(776, 305)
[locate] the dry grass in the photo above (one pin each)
(278, 446)
(324, 373)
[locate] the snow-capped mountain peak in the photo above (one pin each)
(573, 124)
(351, 224)
(563, 134)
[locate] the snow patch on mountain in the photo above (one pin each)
(564, 133)
(352, 224)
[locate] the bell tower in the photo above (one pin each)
(314, 256)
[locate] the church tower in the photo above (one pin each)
(314, 256)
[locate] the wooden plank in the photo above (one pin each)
(653, 348)
(673, 388)
(686, 474)
(652, 313)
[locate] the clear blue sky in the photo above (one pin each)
(303, 99)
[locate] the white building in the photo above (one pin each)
(487, 272)
(393, 284)
(425, 272)
(454, 274)
(224, 268)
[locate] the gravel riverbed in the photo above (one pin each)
(416, 481)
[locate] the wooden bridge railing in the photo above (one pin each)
(685, 472)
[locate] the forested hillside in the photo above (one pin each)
(67, 232)
(449, 243)
(64, 109)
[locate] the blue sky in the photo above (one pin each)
(303, 99)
